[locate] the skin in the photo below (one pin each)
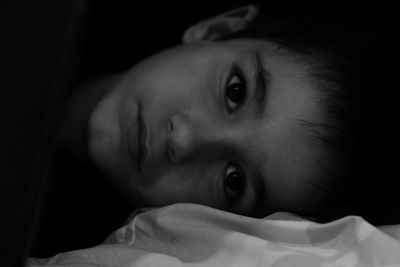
(192, 133)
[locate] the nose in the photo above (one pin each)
(188, 138)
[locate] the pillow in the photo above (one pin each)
(196, 235)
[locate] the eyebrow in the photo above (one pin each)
(261, 79)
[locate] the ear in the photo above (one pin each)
(221, 25)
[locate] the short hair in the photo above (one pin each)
(359, 138)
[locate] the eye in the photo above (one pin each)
(236, 90)
(234, 182)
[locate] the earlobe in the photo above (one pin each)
(221, 25)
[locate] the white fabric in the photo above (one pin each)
(195, 235)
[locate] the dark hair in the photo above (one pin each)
(348, 66)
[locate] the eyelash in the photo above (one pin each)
(235, 72)
(233, 197)
(229, 194)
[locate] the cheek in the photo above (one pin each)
(170, 90)
(184, 183)
(169, 188)
(172, 80)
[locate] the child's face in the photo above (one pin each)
(207, 140)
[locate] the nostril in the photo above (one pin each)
(171, 125)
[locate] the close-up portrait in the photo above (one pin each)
(228, 133)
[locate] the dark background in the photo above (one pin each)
(50, 201)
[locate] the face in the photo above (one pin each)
(213, 123)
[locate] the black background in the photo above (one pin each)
(58, 204)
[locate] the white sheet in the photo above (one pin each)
(195, 235)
